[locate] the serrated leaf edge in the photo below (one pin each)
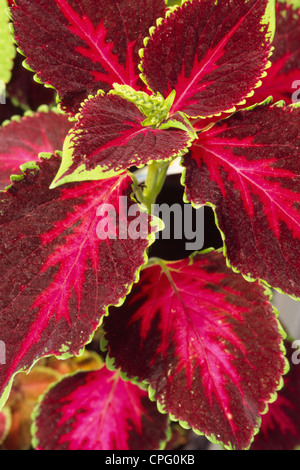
(248, 277)
(110, 363)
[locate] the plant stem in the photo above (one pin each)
(156, 176)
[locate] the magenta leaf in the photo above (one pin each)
(280, 427)
(81, 47)
(206, 341)
(212, 53)
(98, 410)
(62, 264)
(248, 168)
(283, 79)
(24, 138)
(109, 137)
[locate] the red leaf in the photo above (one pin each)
(212, 53)
(248, 168)
(280, 427)
(98, 411)
(283, 79)
(109, 138)
(58, 273)
(207, 342)
(79, 47)
(24, 138)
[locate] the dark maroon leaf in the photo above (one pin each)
(79, 47)
(248, 168)
(283, 78)
(206, 341)
(60, 269)
(98, 411)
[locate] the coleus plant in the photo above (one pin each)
(140, 83)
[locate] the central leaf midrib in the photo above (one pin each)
(166, 271)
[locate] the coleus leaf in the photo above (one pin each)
(27, 389)
(23, 138)
(58, 273)
(247, 167)
(81, 47)
(110, 137)
(280, 427)
(213, 53)
(7, 48)
(98, 411)
(283, 79)
(171, 3)
(206, 341)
